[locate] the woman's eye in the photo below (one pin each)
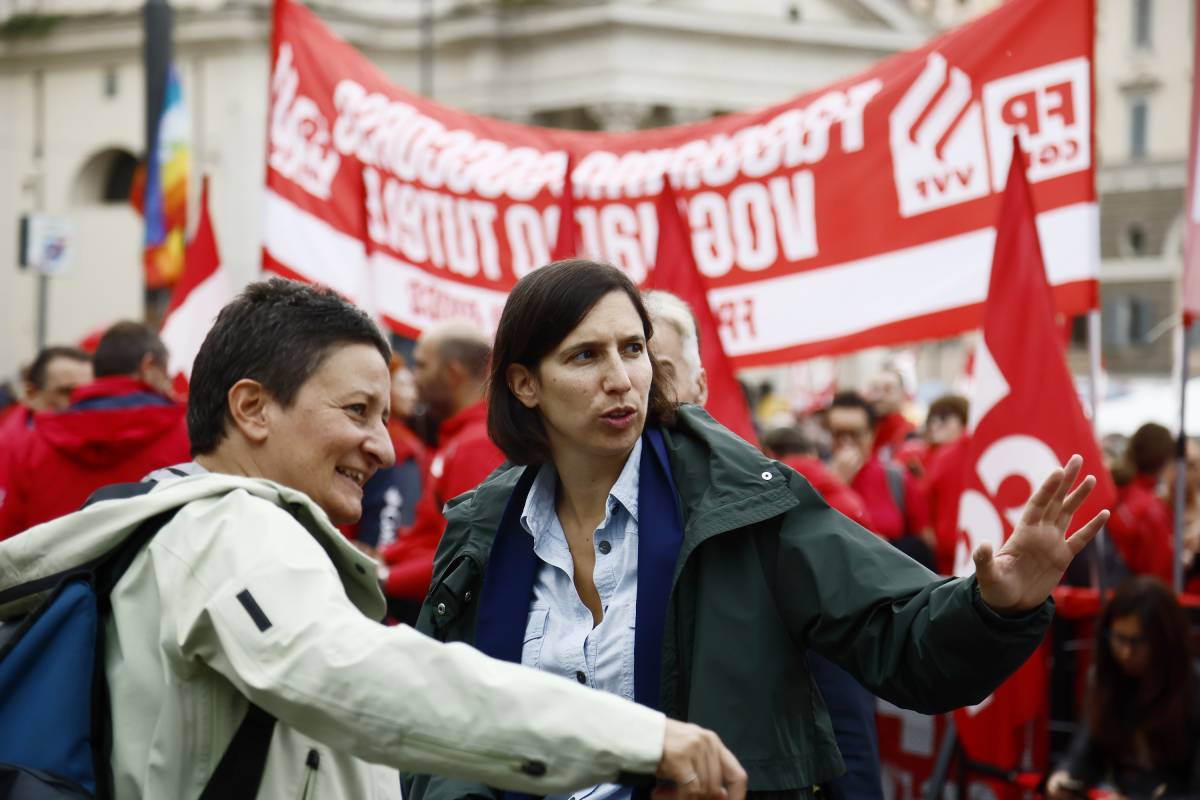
(583, 355)
(358, 409)
(635, 348)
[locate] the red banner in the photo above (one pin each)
(857, 215)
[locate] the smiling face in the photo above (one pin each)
(592, 389)
(334, 435)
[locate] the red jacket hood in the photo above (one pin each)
(105, 436)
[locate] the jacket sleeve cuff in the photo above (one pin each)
(1008, 622)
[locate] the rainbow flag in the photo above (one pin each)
(163, 196)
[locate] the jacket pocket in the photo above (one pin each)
(453, 592)
(535, 635)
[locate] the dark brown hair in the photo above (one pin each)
(1150, 449)
(36, 374)
(277, 332)
(122, 348)
(949, 405)
(542, 310)
(849, 398)
(1157, 703)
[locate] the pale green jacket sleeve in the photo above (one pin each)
(257, 599)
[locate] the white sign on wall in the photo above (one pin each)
(47, 243)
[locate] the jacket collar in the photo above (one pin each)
(114, 386)
(723, 484)
(75, 539)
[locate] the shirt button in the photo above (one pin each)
(766, 476)
(605, 548)
(579, 676)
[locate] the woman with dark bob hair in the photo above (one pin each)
(645, 550)
(1141, 729)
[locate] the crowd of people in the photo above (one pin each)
(499, 503)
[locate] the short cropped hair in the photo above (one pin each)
(122, 348)
(36, 374)
(542, 310)
(277, 332)
(462, 342)
(852, 399)
(666, 307)
(950, 405)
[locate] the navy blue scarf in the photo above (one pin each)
(508, 583)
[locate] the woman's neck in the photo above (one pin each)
(583, 486)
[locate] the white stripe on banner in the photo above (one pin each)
(779, 312)
(771, 314)
(315, 249)
(413, 297)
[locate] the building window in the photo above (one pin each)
(1133, 240)
(1114, 319)
(1141, 24)
(1127, 321)
(1139, 121)
(111, 84)
(1079, 331)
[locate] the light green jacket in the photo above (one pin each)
(183, 653)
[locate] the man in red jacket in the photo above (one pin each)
(896, 505)
(886, 393)
(48, 384)
(118, 428)
(450, 366)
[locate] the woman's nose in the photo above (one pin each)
(379, 446)
(616, 377)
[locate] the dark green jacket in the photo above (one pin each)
(767, 570)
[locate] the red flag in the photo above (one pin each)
(203, 290)
(1191, 259)
(565, 244)
(1025, 421)
(675, 271)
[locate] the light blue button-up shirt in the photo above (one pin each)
(559, 636)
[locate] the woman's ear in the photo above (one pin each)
(248, 402)
(523, 384)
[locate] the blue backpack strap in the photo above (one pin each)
(240, 770)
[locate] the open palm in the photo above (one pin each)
(1031, 563)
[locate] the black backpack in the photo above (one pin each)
(55, 719)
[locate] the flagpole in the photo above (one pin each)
(1102, 544)
(157, 20)
(426, 48)
(1181, 458)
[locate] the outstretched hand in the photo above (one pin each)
(1031, 563)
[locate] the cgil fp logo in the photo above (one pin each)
(950, 148)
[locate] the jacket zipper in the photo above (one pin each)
(312, 763)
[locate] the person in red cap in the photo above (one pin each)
(117, 428)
